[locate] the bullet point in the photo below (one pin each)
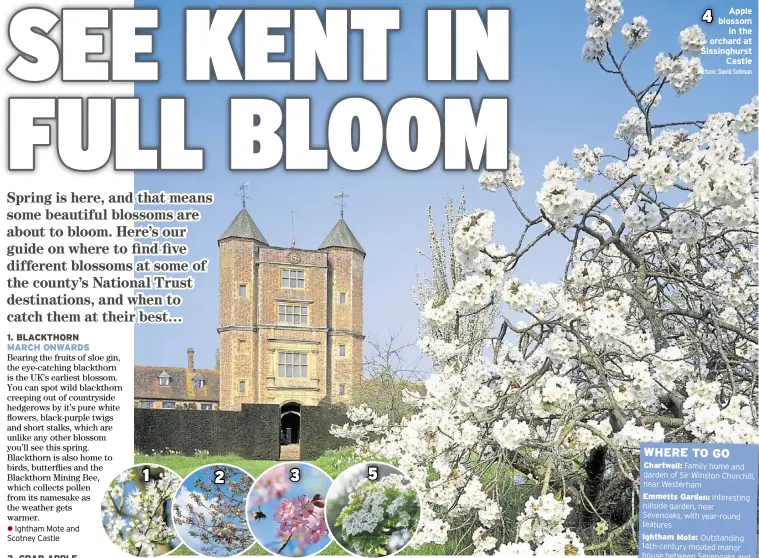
(10, 528)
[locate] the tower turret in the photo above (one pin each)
(345, 295)
(238, 341)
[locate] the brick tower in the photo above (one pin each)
(238, 307)
(345, 296)
(290, 320)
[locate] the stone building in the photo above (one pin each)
(290, 319)
(290, 329)
(160, 387)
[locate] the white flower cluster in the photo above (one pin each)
(560, 346)
(542, 517)
(718, 173)
(366, 518)
(654, 168)
(686, 227)
(617, 171)
(607, 321)
(603, 17)
(712, 422)
(552, 395)
(511, 434)
(651, 100)
(583, 440)
(641, 216)
(632, 125)
(748, 116)
(587, 159)
(559, 198)
(511, 179)
(681, 72)
(130, 518)
(632, 436)
(636, 33)
(692, 40)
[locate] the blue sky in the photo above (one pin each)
(312, 481)
(557, 102)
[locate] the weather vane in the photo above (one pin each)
(341, 202)
(244, 190)
(292, 228)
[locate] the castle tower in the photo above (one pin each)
(290, 319)
(238, 309)
(345, 304)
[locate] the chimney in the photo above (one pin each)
(190, 360)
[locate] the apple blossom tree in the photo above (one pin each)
(650, 334)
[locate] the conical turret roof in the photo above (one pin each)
(341, 237)
(243, 226)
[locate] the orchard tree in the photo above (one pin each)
(650, 335)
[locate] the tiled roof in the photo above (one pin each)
(341, 237)
(243, 226)
(180, 388)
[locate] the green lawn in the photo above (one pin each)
(332, 462)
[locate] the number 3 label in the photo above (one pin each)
(294, 474)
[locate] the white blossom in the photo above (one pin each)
(511, 179)
(636, 33)
(692, 40)
(681, 72)
(646, 333)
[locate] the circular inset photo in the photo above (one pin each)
(209, 511)
(373, 510)
(136, 510)
(286, 509)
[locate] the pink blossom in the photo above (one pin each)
(270, 487)
(300, 518)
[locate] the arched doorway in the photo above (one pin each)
(289, 424)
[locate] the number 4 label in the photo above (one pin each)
(707, 17)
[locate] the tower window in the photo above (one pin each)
(341, 350)
(342, 298)
(242, 386)
(342, 389)
(293, 365)
(292, 314)
(242, 291)
(293, 278)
